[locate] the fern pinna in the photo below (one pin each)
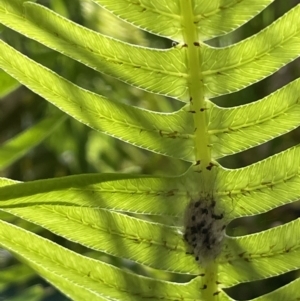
(92, 209)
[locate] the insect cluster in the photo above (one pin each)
(204, 229)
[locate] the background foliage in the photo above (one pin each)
(72, 148)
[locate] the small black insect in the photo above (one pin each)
(204, 229)
(215, 216)
(204, 210)
(200, 226)
(194, 230)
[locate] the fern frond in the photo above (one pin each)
(92, 210)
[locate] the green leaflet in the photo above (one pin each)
(262, 186)
(212, 18)
(120, 192)
(233, 68)
(261, 255)
(91, 277)
(116, 234)
(16, 147)
(239, 128)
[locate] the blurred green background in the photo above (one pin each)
(73, 148)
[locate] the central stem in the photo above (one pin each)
(196, 87)
(198, 107)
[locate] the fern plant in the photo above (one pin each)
(89, 209)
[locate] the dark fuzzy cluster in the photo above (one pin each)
(204, 229)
